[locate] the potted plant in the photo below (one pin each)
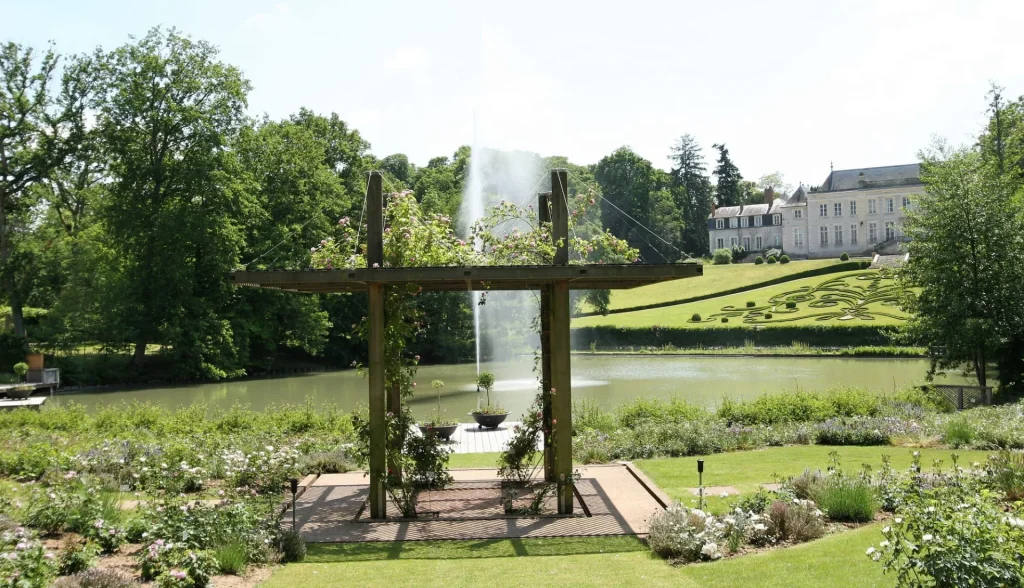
(20, 392)
(439, 426)
(491, 415)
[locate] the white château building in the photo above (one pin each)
(855, 211)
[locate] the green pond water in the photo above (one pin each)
(609, 380)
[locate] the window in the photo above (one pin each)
(798, 213)
(838, 208)
(906, 202)
(721, 243)
(823, 210)
(890, 231)
(778, 240)
(872, 232)
(732, 242)
(746, 243)
(853, 208)
(872, 207)
(744, 221)
(719, 224)
(733, 222)
(823, 236)
(798, 237)
(889, 206)
(758, 221)
(760, 242)
(776, 219)
(853, 234)
(838, 230)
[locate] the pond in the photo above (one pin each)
(609, 380)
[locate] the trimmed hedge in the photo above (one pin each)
(607, 337)
(846, 266)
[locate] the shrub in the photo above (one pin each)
(767, 315)
(721, 257)
(76, 557)
(13, 348)
(334, 462)
(845, 498)
(1005, 473)
(958, 432)
(844, 257)
(796, 521)
(858, 431)
(725, 319)
(587, 414)
(293, 548)
(20, 369)
(756, 503)
(751, 304)
(807, 484)
(950, 536)
(784, 259)
(683, 534)
(174, 565)
(231, 558)
(96, 578)
(33, 566)
(758, 260)
(791, 304)
(695, 318)
(772, 259)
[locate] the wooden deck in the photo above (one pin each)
(35, 402)
(471, 439)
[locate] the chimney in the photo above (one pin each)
(769, 195)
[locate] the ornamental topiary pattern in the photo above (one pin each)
(862, 296)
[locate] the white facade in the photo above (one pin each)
(853, 211)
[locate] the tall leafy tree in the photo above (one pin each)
(692, 192)
(967, 240)
(41, 124)
(169, 114)
(729, 186)
(627, 181)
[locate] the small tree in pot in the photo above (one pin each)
(443, 428)
(491, 415)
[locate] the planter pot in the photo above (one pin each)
(489, 421)
(20, 393)
(444, 432)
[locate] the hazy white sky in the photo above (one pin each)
(787, 85)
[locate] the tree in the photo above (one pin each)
(729, 189)
(626, 182)
(398, 166)
(776, 181)
(38, 130)
(693, 194)
(967, 240)
(170, 112)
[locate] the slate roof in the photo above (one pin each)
(869, 178)
(726, 212)
(754, 210)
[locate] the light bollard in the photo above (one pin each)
(295, 489)
(700, 483)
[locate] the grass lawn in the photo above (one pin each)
(845, 298)
(837, 560)
(747, 470)
(473, 460)
(716, 278)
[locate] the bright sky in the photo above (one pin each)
(787, 85)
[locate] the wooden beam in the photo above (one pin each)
(560, 215)
(378, 422)
(561, 400)
(544, 215)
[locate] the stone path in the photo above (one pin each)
(611, 500)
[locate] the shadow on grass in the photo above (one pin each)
(485, 548)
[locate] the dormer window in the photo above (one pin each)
(744, 221)
(719, 224)
(733, 223)
(758, 221)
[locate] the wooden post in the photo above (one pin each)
(378, 422)
(561, 371)
(544, 216)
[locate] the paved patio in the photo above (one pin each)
(610, 500)
(469, 438)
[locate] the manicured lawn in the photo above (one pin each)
(473, 460)
(837, 560)
(747, 470)
(846, 298)
(716, 278)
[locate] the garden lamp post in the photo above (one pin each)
(294, 482)
(700, 482)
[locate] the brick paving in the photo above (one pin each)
(618, 503)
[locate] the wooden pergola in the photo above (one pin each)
(554, 283)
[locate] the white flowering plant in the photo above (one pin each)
(684, 534)
(953, 535)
